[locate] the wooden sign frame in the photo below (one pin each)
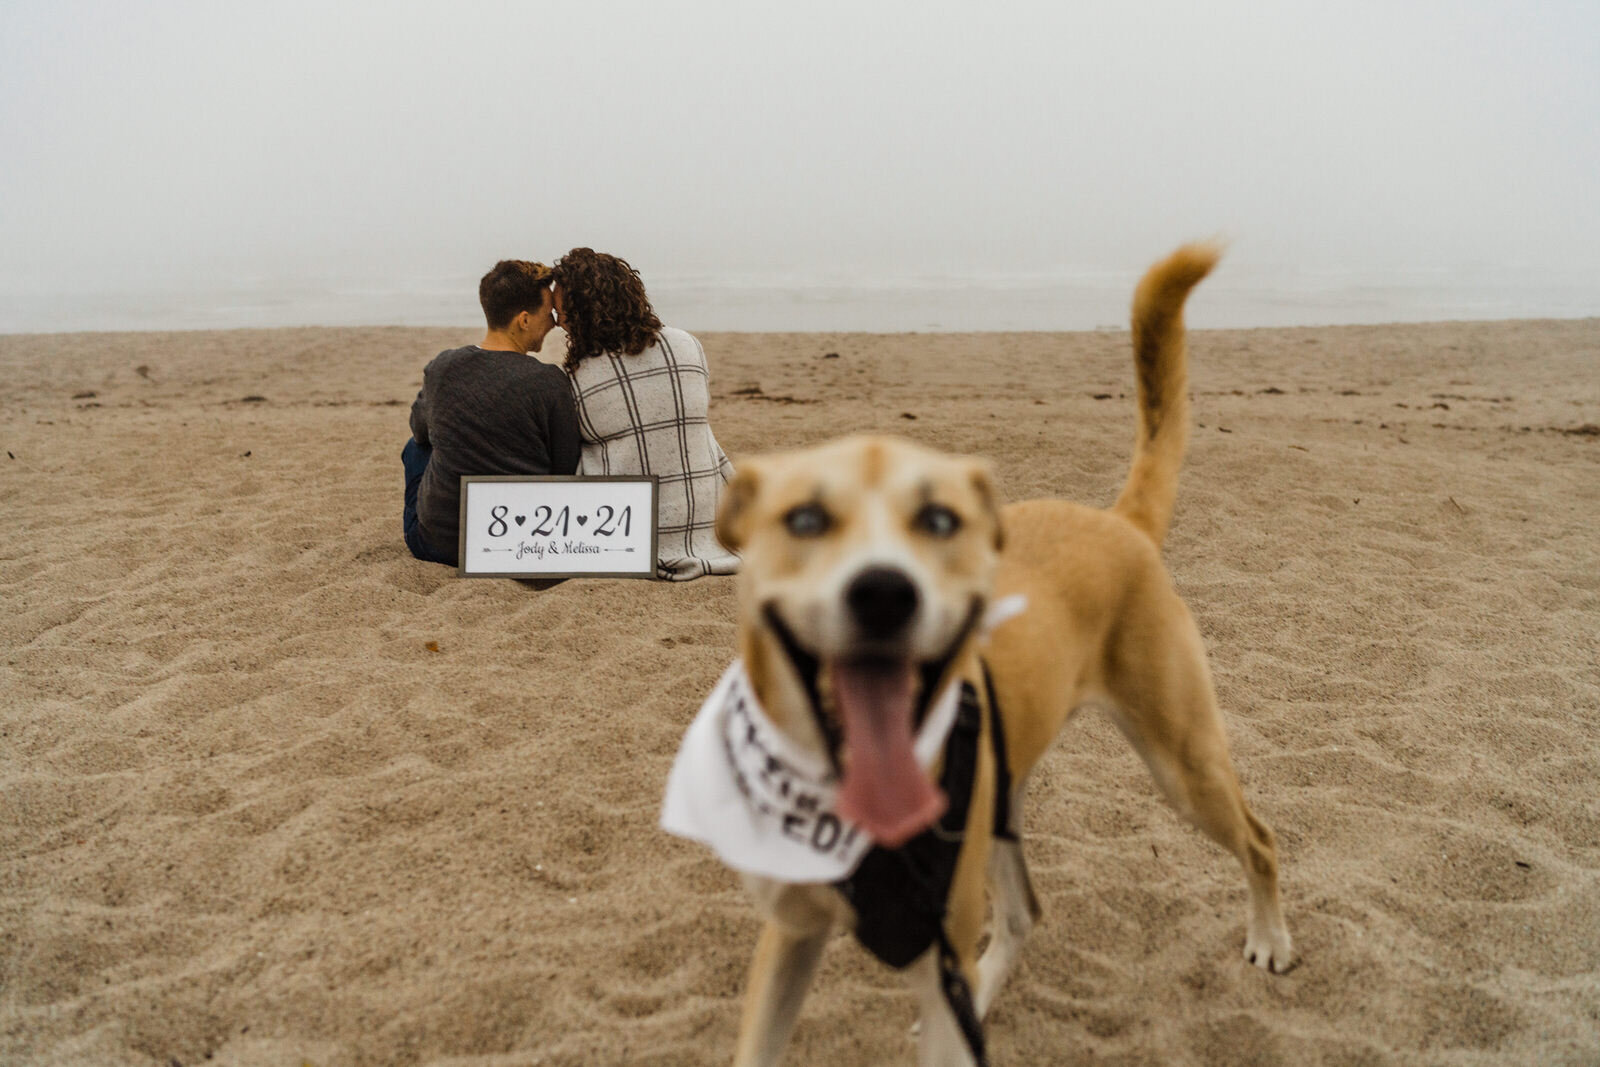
(545, 525)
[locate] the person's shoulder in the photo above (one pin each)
(542, 377)
(683, 343)
(449, 356)
(545, 372)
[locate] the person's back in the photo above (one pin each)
(487, 409)
(485, 412)
(648, 414)
(643, 394)
(636, 425)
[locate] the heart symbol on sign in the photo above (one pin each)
(520, 519)
(583, 520)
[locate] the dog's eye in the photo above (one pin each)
(807, 520)
(937, 520)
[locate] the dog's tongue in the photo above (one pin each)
(884, 791)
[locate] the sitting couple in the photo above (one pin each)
(633, 401)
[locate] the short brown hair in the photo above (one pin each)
(512, 287)
(604, 308)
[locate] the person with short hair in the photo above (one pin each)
(487, 409)
(643, 393)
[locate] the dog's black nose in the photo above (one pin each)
(881, 600)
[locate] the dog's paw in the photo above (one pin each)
(1270, 950)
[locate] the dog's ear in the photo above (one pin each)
(983, 484)
(733, 510)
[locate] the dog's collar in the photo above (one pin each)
(808, 668)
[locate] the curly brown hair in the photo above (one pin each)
(603, 306)
(510, 288)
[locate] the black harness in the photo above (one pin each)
(899, 894)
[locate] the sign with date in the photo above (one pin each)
(569, 527)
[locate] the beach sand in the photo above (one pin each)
(274, 792)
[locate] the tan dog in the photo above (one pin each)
(866, 562)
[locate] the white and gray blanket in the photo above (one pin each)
(647, 414)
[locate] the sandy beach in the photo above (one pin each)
(274, 792)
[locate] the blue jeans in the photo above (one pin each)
(415, 457)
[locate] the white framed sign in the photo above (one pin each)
(564, 526)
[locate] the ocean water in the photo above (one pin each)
(1084, 300)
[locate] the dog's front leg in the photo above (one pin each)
(1016, 909)
(780, 974)
(939, 1039)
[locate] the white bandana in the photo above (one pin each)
(762, 803)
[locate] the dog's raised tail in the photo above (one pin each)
(1160, 360)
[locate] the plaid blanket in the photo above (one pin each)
(647, 414)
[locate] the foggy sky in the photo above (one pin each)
(167, 143)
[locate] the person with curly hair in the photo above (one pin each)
(487, 409)
(643, 394)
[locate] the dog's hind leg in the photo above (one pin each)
(1016, 909)
(780, 974)
(1167, 709)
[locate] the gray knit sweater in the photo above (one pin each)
(487, 412)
